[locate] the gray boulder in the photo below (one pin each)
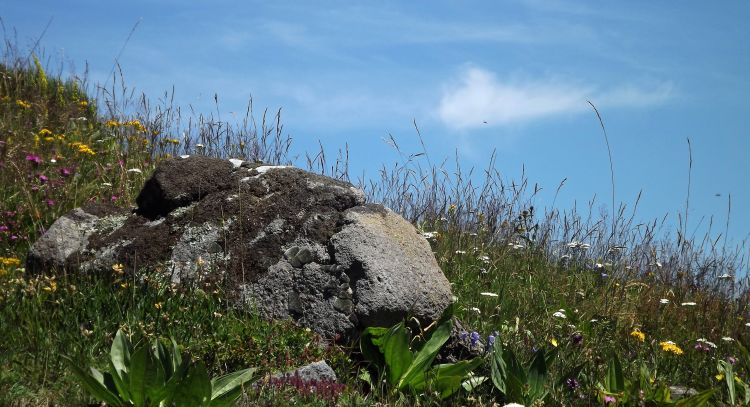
(282, 241)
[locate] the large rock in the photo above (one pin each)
(284, 242)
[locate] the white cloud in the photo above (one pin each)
(480, 97)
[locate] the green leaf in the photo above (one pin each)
(698, 400)
(119, 358)
(138, 371)
(94, 383)
(447, 378)
(396, 351)
(614, 382)
(369, 344)
(728, 370)
(499, 371)
(229, 382)
(423, 359)
(507, 374)
(537, 376)
(472, 382)
(194, 389)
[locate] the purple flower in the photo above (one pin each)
(50, 202)
(4, 228)
(572, 384)
(114, 198)
(66, 172)
(474, 338)
(490, 340)
(732, 360)
(463, 335)
(43, 178)
(34, 158)
(609, 399)
(576, 339)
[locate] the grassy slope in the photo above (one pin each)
(59, 150)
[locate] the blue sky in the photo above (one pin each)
(354, 72)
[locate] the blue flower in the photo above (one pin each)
(474, 338)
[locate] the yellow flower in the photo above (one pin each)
(637, 334)
(124, 285)
(669, 346)
(10, 261)
(45, 132)
(83, 148)
(157, 305)
(118, 269)
(112, 123)
(23, 104)
(553, 341)
(52, 287)
(83, 104)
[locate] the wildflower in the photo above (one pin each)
(217, 315)
(50, 202)
(489, 295)
(669, 346)
(460, 252)
(112, 123)
(725, 276)
(66, 172)
(474, 337)
(157, 305)
(43, 178)
(576, 339)
(9, 261)
(727, 339)
(23, 104)
(201, 146)
(553, 342)
(688, 304)
(135, 171)
(485, 259)
(560, 314)
(45, 132)
(475, 309)
(637, 334)
(124, 285)
(664, 301)
(572, 384)
(118, 268)
(114, 198)
(747, 323)
(83, 104)
(34, 158)
(731, 360)
(51, 287)
(609, 399)
(706, 342)
(491, 339)
(513, 405)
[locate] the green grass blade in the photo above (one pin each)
(229, 382)
(423, 359)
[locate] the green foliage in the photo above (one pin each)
(517, 383)
(618, 390)
(158, 376)
(410, 368)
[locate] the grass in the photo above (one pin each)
(590, 285)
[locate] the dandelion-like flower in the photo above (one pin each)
(560, 314)
(669, 346)
(637, 334)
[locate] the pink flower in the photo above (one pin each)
(610, 400)
(50, 202)
(34, 158)
(65, 172)
(43, 178)
(114, 198)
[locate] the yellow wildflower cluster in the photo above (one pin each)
(637, 334)
(83, 104)
(82, 148)
(9, 261)
(118, 268)
(135, 123)
(51, 285)
(23, 104)
(171, 141)
(669, 346)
